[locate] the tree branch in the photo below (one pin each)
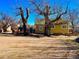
(58, 17)
(22, 15)
(37, 7)
(27, 13)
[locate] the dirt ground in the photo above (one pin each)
(18, 47)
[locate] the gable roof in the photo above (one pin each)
(60, 21)
(41, 22)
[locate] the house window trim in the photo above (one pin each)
(52, 26)
(64, 26)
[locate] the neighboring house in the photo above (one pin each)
(39, 26)
(61, 27)
(76, 28)
(57, 27)
(9, 29)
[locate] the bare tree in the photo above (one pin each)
(24, 20)
(73, 17)
(6, 21)
(45, 11)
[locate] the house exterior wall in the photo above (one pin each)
(76, 29)
(63, 28)
(59, 29)
(39, 29)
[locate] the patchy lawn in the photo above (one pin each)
(18, 47)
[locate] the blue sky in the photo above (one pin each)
(9, 7)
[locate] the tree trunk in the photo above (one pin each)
(24, 29)
(47, 26)
(24, 21)
(72, 27)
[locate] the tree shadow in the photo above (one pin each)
(31, 35)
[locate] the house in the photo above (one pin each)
(57, 27)
(76, 28)
(9, 30)
(39, 26)
(61, 27)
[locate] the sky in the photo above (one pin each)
(10, 7)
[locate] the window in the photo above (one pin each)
(53, 26)
(40, 27)
(63, 26)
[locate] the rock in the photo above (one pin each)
(77, 40)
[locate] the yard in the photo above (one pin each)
(55, 47)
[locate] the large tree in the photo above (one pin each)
(24, 20)
(46, 10)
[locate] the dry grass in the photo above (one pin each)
(34, 48)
